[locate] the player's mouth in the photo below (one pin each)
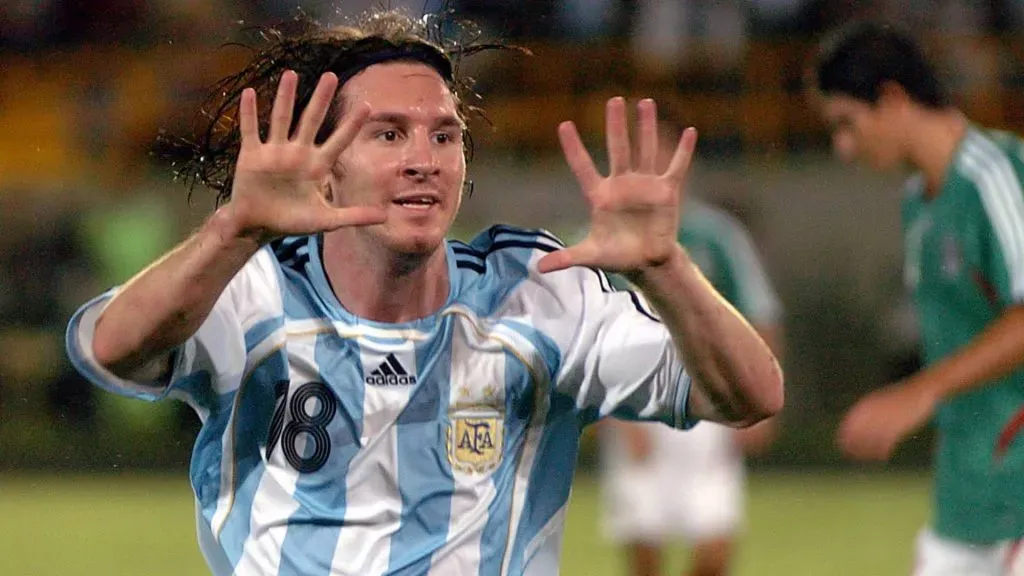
(418, 202)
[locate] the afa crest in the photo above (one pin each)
(475, 440)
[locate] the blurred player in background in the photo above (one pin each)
(963, 219)
(662, 485)
(377, 399)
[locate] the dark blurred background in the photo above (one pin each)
(86, 88)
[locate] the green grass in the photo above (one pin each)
(799, 524)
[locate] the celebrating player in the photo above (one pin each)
(377, 399)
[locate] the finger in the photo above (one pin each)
(313, 116)
(617, 136)
(284, 103)
(684, 155)
(248, 125)
(351, 122)
(577, 157)
(354, 216)
(582, 254)
(648, 126)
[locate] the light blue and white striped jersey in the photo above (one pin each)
(336, 445)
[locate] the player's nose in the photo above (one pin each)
(420, 157)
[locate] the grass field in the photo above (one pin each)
(849, 524)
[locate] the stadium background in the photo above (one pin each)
(93, 485)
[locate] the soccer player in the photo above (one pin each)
(377, 399)
(963, 219)
(701, 468)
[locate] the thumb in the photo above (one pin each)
(582, 254)
(336, 218)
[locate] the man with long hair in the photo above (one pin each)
(377, 399)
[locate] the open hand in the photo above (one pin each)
(279, 185)
(634, 211)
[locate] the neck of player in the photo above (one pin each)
(377, 284)
(935, 137)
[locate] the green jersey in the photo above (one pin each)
(722, 249)
(964, 252)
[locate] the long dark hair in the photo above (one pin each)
(437, 40)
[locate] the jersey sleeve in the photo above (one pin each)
(213, 360)
(997, 181)
(616, 356)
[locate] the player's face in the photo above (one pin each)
(408, 156)
(863, 132)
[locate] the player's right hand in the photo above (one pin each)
(280, 185)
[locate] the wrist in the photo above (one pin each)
(928, 390)
(227, 229)
(667, 273)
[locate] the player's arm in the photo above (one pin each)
(162, 306)
(755, 440)
(277, 191)
(994, 353)
(756, 299)
(736, 378)
(634, 220)
(883, 418)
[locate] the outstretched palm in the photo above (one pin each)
(278, 185)
(634, 212)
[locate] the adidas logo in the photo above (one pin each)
(390, 373)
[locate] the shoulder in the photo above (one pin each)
(990, 169)
(498, 269)
(504, 249)
(989, 160)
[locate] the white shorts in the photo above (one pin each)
(938, 556)
(691, 486)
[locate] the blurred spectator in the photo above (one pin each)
(707, 36)
(26, 23)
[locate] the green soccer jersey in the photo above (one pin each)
(722, 249)
(964, 264)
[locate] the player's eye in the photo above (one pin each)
(388, 135)
(447, 137)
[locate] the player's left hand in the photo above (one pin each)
(878, 422)
(634, 211)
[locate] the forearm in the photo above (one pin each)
(166, 303)
(994, 353)
(736, 376)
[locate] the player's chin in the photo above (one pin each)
(418, 239)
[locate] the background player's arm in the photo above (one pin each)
(878, 422)
(994, 353)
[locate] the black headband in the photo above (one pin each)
(373, 50)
